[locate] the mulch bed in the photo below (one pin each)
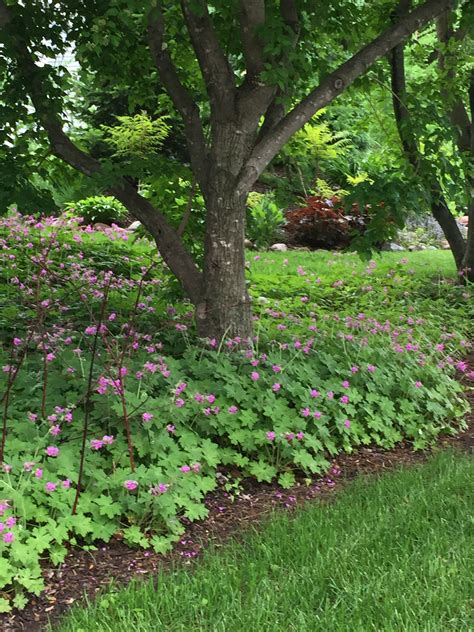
(87, 572)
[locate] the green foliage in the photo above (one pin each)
(264, 218)
(270, 410)
(138, 135)
(98, 209)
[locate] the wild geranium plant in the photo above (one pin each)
(115, 421)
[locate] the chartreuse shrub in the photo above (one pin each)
(394, 553)
(115, 418)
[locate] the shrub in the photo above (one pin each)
(264, 218)
(99, 209)
(323, 223)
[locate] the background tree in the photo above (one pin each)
(237, 113)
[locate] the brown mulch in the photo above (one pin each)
(87, 572)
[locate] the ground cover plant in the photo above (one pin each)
(408, 565)
(116, 419)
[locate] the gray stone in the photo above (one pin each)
(392, 247)
(135, 225)
(279, 247)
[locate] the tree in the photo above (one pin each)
(455, 120)
(251, 56)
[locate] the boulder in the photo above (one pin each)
(392, 247)
(135, 225)
(279, 247)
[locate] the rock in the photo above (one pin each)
(431, 248)
(135, 225)
(100, 226)
(464, 220)
(279, 247)
(248, 244)
(445, 245)
(392, 247)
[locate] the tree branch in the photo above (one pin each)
(276, 109)
(252, 16)
(215, 68)
(455, 107)
(180, 95)
(333, 85)
(169, 244)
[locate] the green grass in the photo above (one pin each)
(391, 554)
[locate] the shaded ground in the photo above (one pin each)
(90, 571)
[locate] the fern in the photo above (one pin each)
(137, 136)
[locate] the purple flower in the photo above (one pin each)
(108, 439)
(50, 487)
(276, 368)
(354, 369)
(39, 473)
(196, 467)
(255, 376)
(147, 417)
(185, 469)
(289, 436)
(66, 483)
(8, 537)
(344, 399)
(179, 403)
(300, 435)
(97, 444)
(130, 485)
(271, 435)
(52, 450)
(418, 384)
(232, 410)
(305, 412)
(210, 398)
(347, 423)
(276, 387)
(345, 384)
(10, 521)
(91, 330)
(317, 414)
(17, 342)
(170, 428)
(313, 392)
(371, 368)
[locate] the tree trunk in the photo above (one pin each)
(225, 309)
(450, 228)
(468, 261)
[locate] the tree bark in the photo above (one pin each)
(225, 309)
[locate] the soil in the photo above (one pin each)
(88, 572)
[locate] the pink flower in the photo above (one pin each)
(10, 521)
(179, 403)
(271, 435)
(50, 357)
(91, 330)
(28, 466)
(317, 414)
(289, 436)
(305, 412)
(345, 384)
(96, 444)
(354, 369)
(55, 430)
(313, 392)
(52, 450)
(371, 368)
(232, 410)
(344, 399)
(108, 439)
(276, 368)
(17, 342)
(32, 417)
(185, 469)
(8, 537)
(170, 428)
(347, 423)
(196, 467)
(418, 384)
(50, 487)
(39, 473)
(130, 485)
(66, 483)
(147, 417)
(255, 376)
(300, 435)
(276, 387)
(210, 398)
(330, 395)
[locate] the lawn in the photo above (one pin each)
(390, 553)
